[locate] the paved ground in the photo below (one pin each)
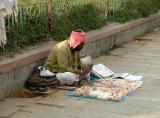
(138, 57)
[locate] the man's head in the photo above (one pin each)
(77, 39)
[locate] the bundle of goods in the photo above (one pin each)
(41, 80)
(108, 89)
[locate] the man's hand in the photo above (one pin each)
(86, 69)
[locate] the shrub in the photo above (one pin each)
(147, 7)
(28, 32)
(34, 28)
(69, 15)
(158, 3)
(132, 9)
(85, 17)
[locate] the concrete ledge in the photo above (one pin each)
(106, 32)
(26, 58)
(15, 71)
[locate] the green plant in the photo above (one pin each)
(146, 7)
(158, 3)
(85, 17)
(69, 15)
(132, 9)
(30, 31)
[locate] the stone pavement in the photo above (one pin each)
(140, 57)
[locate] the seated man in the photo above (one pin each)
(64, 59)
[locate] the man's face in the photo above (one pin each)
(79, 47)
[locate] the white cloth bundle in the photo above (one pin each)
(3, 39)
(7, 7)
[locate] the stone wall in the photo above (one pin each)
(13, 81)
(119, 34)
(15, 71)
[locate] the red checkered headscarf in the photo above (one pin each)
(76, 39)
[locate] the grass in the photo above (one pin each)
(31, 1)
(140, 8)
(69, 15)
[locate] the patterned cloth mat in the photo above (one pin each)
(107, 89)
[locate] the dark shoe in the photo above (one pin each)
(42, 89)
(31, 88)
(75, 84)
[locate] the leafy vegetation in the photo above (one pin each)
(67, 16)
(133, 9)
(84, 17)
